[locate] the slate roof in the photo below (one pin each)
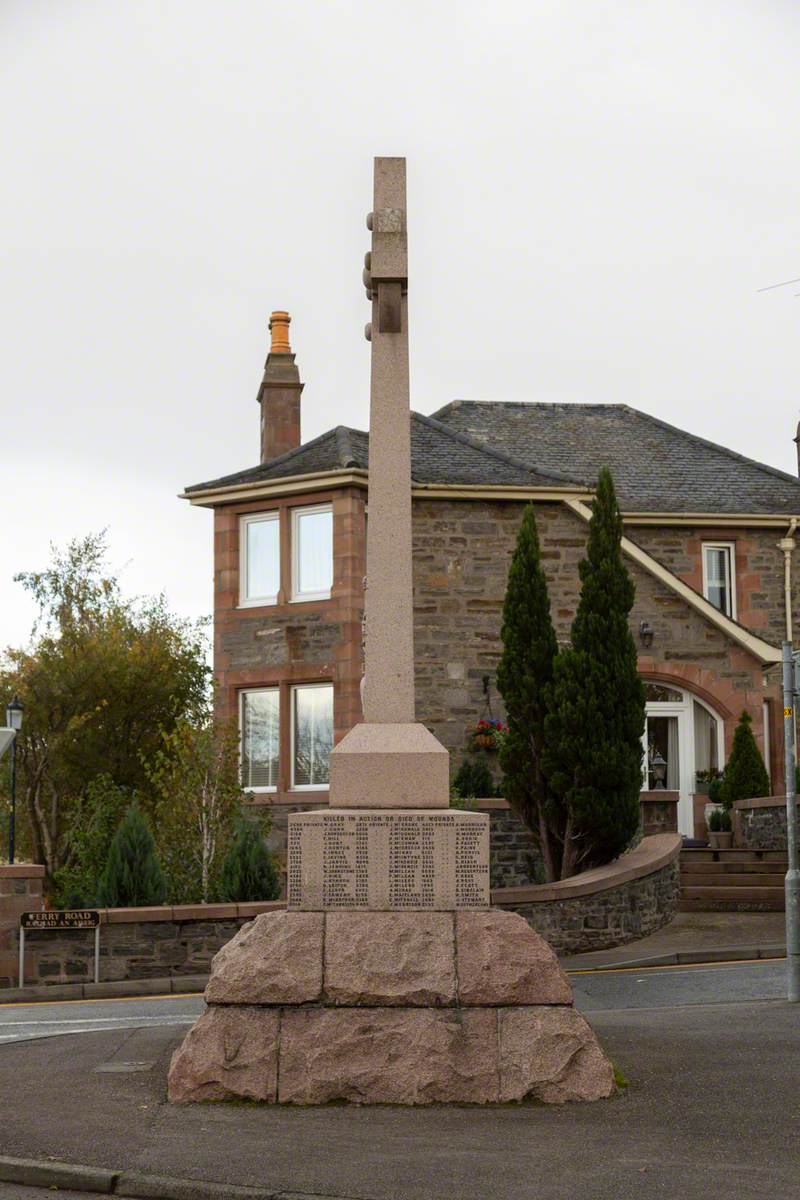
(656, 467)
(438, 455)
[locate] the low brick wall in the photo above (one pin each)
(760, 824)
(608, 906)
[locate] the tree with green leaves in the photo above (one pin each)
(94, 819)
(195, 780)
(132, 877)
(101, 679)
(248, 872)
(745, 774)
(524, 674)
(595, 718)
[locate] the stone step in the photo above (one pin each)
(696, 879)
(733, 855)
(705, 867)
(732, 899)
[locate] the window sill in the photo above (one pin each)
(265, 602)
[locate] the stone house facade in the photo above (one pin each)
(708, 539)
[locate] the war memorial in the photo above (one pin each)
(388, 978)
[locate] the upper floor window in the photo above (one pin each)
(719, 581)
(260, 554)
(312, 552)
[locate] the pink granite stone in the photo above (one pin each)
(501, 960)
(388, 1056)
(550, 1054)
(229, 1052)
(378, 958)
(275, 959)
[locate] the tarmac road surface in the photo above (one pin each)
(598, 991)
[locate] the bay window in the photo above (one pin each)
(312, 552)
(260, 732)
(260, 555)
(312, 734)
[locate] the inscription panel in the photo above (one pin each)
(388, 859)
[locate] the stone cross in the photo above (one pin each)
(389, 760)
(389, 642)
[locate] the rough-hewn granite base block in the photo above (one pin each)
(388, 1056)
(231, 1053)
(389, 1008)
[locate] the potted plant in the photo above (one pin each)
(720, 832)
(704, 781)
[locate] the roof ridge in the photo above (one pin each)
(467, 440)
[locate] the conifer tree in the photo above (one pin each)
(745, 774)
(132, 877)
(248, 872)
(523, 675)
(596, 703)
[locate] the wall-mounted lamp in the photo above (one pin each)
(646, 634)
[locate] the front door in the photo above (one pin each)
(682, 736)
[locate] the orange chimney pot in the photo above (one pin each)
(279, 328)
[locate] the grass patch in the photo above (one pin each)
(619, 1079)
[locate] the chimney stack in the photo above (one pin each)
(279, 394)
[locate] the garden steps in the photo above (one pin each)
(732, 880)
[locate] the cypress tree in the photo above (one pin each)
(596, 703)
(523, 675)
(248, 872)
(745, 774)
(132, 877)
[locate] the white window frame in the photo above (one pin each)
(731, 549)
(303, 787)
(299, 597)
(246, 601)
(251, 692)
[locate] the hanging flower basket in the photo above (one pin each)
(486, 736)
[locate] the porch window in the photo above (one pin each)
(260, 572)
(312, 552)
(718, 576)
(312, 734)
(260, 729)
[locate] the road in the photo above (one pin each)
(597, 991)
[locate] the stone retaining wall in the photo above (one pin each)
(760, 824)
(608, 906)
(612, 905)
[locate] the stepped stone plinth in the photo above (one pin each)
(389, 1008)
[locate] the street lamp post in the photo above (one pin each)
(14, 711)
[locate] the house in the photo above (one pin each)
(708, 539)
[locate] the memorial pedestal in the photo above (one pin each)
(389, 1008)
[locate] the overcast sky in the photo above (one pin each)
(596, 193)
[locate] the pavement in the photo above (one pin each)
(696, 937)
(710, 1055)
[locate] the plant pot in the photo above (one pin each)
(483, 741)
(721, 840)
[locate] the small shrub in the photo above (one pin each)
(248, 872)
(745, 774)
(473, 779)
(715, 790)
(132, 877)
(719, 821)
